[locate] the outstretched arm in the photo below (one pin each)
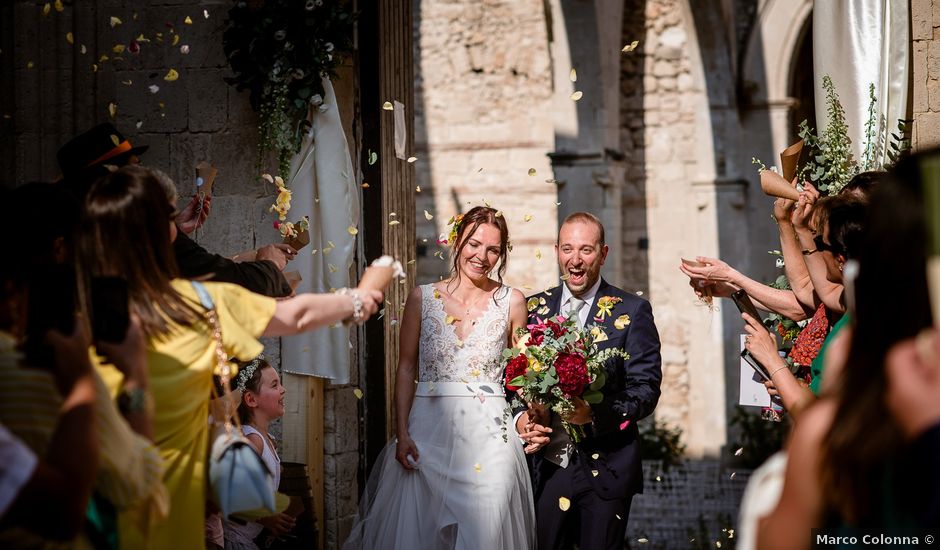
(311, 311)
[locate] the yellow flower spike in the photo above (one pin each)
(171, 75)
(564, 504)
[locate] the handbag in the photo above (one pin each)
(239, 479)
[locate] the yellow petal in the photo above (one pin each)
(450, 319)
(595, 456)
(594, 473)
(115, 21)
(267, 178)
(332, 268)
(459, 343)
(171, 75)
(573, 75)
(352, 230)
(417, 188)
(46, 9)
(115, 140)
(358, 393)
(412, 159)
(394, 222)
(428, 216)
(622, 322)
(388, 106)
(112, 109)
(365, 185)
(498, 214)
(437, 294)
(58, 5)
(70, 38)
(127, 82)
(84, 50)
(313, 252)
(641, 540)
(118, 48)
(531, 171)
(477, 467)
(576, 95)
(538, 254)
(188, 20)
(527, 218)
(564, 504)
(104, 57)
(631, 46)
(176, 39)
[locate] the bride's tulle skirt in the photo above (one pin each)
(471, 489)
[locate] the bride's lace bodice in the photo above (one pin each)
(443, 357)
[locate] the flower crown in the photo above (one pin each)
(245, 373)
(454, 224)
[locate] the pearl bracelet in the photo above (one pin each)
(356, 316)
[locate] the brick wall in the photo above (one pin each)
(925, 29)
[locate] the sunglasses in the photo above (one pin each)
(822, 246)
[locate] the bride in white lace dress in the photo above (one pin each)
(454, 477)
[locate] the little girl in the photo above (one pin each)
(262, 401)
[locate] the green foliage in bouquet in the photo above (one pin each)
(279, 51)
(830, 165)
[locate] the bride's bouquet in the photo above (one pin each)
(555, 362)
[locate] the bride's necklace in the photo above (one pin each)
(471, 305)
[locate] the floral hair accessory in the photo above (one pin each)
(454, 224)
(245, 373)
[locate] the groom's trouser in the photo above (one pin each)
(591, 521)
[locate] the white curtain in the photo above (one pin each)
(858, 43)
(324, 188)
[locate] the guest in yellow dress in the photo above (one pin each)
(128, 231)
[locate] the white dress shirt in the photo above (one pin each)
(588, 298)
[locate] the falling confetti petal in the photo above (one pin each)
(142, 38)
(127, 82)
(450, 319)
(352, 230)
(373, 157)
(417, 188)
(733, 474)
(332, 268)
(659, 478)
(58, 5)
(717, 544)
(188, 20)
(171, 75)
(642, 540)
(527, 218)
(428, 216)
(46, 9)
(70, 38)
(531, 171)
(618, 516)
(115, 21)
(576, 95)
(412, 159)
(595, 456)
(84, 49)
(115, 140)
(639, 292)
(104, 57)
(594, 473)
(538, 254)
(394, 222)
(118, 48)
(625, 424)
(477, 467)
(499, 214)
(631, 46)
(739, 451)
(176, 40)
(564, 504)
(358, 393)
(365, 185)
(388, 106)
(205, 14)
(573, 75)
(112, 108)
(154, 89)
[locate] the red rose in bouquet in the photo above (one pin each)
(572, 373)
(514, 368)
(536, 334)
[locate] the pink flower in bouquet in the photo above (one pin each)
(514, 368)
(536, 334)
(572, 373)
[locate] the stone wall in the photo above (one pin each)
(482, 121)
(925, 29)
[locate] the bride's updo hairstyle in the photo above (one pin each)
(477, 216)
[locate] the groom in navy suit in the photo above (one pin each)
(597, 477)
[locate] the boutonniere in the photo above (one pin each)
(598, 334)
(605, 306)
(622, 321)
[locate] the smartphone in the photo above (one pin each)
(109, 313)
(755, 364)
(745, 305)
(52, 306)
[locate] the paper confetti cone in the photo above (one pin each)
(775, 186)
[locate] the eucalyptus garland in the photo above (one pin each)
(279, 51)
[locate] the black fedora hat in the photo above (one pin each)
(101, 145)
